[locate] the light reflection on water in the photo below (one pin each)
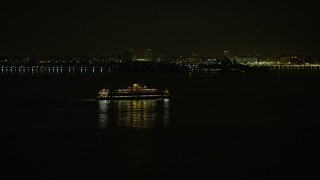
(53, 70)
(103, 106)
(134, 113)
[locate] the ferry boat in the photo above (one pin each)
(133, 91)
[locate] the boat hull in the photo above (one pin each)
(135, 91)
(132, 98)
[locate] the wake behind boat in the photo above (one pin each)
(133, 91)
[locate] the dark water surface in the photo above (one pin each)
(238, 125)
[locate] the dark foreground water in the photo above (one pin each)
(233, 125)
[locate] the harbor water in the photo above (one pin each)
(258, 125)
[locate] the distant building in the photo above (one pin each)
(129, 55)
(209, 61)
(293, 60)
(226, 54)
(148, 54)
(245, 60)
(144, 55)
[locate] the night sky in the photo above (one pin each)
(167, 27)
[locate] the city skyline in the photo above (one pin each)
(172, 28)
